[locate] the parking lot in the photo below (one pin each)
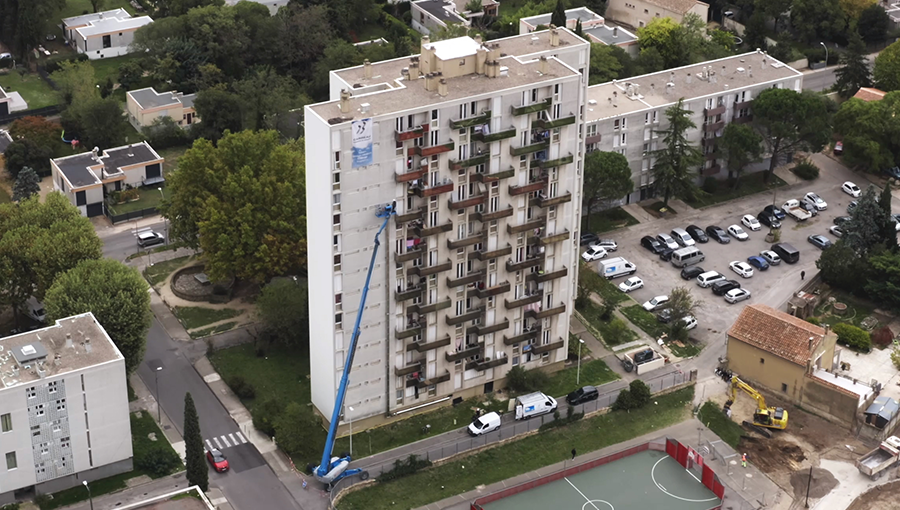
(772, 287)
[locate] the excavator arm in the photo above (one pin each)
(737, 384)
(765, 416)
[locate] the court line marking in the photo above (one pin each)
(591, 502)
(663, 489)
(585, 497)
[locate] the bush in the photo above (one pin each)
(52, 64)
(710, 185)
(624, 402)
(241, 388)
(159, 460)
(265, 414)
(853, 337)
(412, 464)
(814, 321)
(806, 170)
(882, 337)
(10, 506)
(165, 133)
(640, 393)
(526, 381)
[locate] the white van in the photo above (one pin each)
(708, 278)
(35, 310)
(682, 237)
(484, 424)
(534, 404)
(687, 257)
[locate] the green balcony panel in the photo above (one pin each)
(493, 137)
(496, 176)
(528, 149)
(476, 160)
(483, 118)
(532, 108)
(552, 124)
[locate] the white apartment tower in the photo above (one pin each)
(480, 147)
(63, 408)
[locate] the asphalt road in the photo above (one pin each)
(819, 79)
(122, 244)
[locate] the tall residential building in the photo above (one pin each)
(480, 147)
(625, 115)
(63, 408)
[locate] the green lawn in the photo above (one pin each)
(521, 456)
(593, 373)
(150, 197)
(171, 156)
(612, 332)
(192, 317)
(212, 330)
(857, 310)
(79, 7)
(610, 219)
(713, 417)
(35, 91)
(748, 185)
(606, 289)
(157, 273)
(645, 320)
(172, 246)
(109, 67)
(691, 348)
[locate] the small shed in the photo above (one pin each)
(882, 411)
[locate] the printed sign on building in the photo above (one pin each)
(361, 140)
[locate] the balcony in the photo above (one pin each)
(712, 112)
(433, 307)
(416, 214)
(708, 141)
(422, 231)
(528, 225)
(411, 254)
(550, 163)
(593, 139)
(712, 156)
(434, 149)
(496, 215)
(534, 185)
(543, 314)
(715, 126)
(743, 120)
(550, 239)
(524, 264)
(427, 346)
(496, 176)
(478, 159)
(409, 293)
(528, 149)
(713, 170)
(411, 175)
(542, 277)
(540, 349)
(741, 106)
(492, 254)
(430, 270)
(473, 277)
(532, 108)
(409, 369)
(430, 191)
(487, 363)
(412, 329)
(484, 293)
(416, 132)
(455, 244)
(551, 124)
(467, 202)
(493, 137)
(466, 317)
(467, 352)
(424, 383)
(521, 338)
(484, 330)
(524, 300)
(542, 201)
(483, 118)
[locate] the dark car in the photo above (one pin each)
(643, 356)
(819, 241)
(664, 316)
(758, 262)
(775, 211)
(893, 172)
(852, 205)
(588, 238)
(720, 288)
(808, 207)
(718, 234)
(582, 395)
(652, 244)
(697, 233)
(666, 254)
(691, 272)
(840, 220)
(768, 220)
(218, 460)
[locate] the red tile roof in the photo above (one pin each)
(870, 94)
(781, 334)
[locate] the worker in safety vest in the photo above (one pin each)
(744, 460)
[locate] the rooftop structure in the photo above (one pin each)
(593, 26)
(84, 19)
(869, 94)
(103, 34)
(790, 338)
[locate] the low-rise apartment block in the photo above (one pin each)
(639, 13)
(479, 146)
(63, 408)
(593, 26)
(625, 116)
(103, 34)
(146, 105)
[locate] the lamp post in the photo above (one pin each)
(826, 52)
(91, 498)
(578, 372)
(158, 404)
(165, 220)
(350, 419)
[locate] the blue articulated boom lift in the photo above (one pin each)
(332, 469)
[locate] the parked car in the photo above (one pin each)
(851, 189)
(691, 272)
(838, 148)
(751, 222)
(594, 253)
(655, 303)
(652, 244)
(34, 309)
(735, 295)
(896, 218)
(608, 244)
(742, 268)
(721, 287)
(836, 231)
(758, 262)
(810, 208)
(667, 241)
(718, 234)
(852, 205)
(633, 283)
(815, 200)
(148, 239)
(709, 278)
(666, 254)
(768, 220)
(893, 172)
(840, 220)
(737, 233)
(771, 257)
(218, 460)
(775, 211)
(582, 395)
(664, 316)
(690, 322)
(588, 239)
(484, 424)
(697, 233)
(819, 241)
(682, 237)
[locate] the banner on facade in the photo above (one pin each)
(361, 140)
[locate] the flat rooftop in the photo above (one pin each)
(77, 171)
(150, 98)
(108, 25)
(73, 343)
(577, 14)
(84, 19)
(611, 36)
(862, 391)
(730, 73)
(436, 9)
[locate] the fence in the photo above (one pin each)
(129, 216)
(37, 112)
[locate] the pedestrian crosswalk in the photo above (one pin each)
(225, 441)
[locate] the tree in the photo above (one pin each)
(842, 267)
(871, 131)
(474, 6)
(741, 145)
(26, 153)
(98, 122)
(579, 31)
(27, 184)
(854, 71)
(607, 177)
(165, 133)
(284, 309)
(196, 469)
(305, 34)
(885, 217)
(815, 20)
(774, 9)
(266, 98)
(97, 5)
(115, 293)
(243, 203)
(640, 393)
(661, 34)
(755, 32)
(677, 157)
(853, 9)
(870, 227)
(790, 121)
(887, 68)
(44, 133)
(297, 430)
(75, 82)
(130, 74)
(558, 17)
(883, 283)
(605, 66)
(180, 7)
(873, 24)
(220, 111)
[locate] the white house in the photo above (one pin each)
(103, 34)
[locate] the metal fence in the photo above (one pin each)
(129, 216)
(46, 111)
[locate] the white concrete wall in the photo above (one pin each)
(93, 45)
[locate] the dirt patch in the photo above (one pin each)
(822, 483)
(883, 497)
(772, 455)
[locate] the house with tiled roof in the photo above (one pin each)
(638, 13)
(870, 94)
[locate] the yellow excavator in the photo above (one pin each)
(765, 417)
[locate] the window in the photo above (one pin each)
(337, 262)
(107, 41)
(784, 387)
(338, 318)
(80, 198)
(6, 422)
(762, 361)
(11, 461)
(337, 219)
(591, 130)
(31, 392)
(655, 118)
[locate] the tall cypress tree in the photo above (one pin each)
(578, 29)
(888, 228)
(558, 17)
(195, 461)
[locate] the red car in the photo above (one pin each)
(218, 461)
(839, 148)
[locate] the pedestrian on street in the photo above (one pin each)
(744, 460)
(304, 484)
(573, 453)
(802, 275)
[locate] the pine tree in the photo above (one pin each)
(677, 157)
(27, 184)
(558, 18)
(578, 30)
(854, 71)
(888, 228)
(195, 461)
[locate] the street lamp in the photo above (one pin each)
(158, 404)
(165, 220)
(826, 52)
(350, 419)
(578, 373)
(86, 486)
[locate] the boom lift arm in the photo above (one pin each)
(331, 469)
(768, 417)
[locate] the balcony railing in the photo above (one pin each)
(592, 139)
(433, 307)
(522, 337)
(424, 383)
(468, 351)
(528, 225)
(483, 118)
(409, 293)
(535, 185)
(466, 202)
(466, 317)
(416, 132)
(408, 369)
(741, 106)
(496, 176)
(416, 214)
(412, 329)
(484, 330)
(743, 120)
(473, 277)
(531, 108)
(550, 163)
(528, 149)
(428, 191)
(713, 170)
(455, 244)
(542, 201)
(711, 156)
(551, 124)
(708, 141)
(434, 149)
(541, 276)
(712, 112)
(489, 291)
(493, 137)
(524, 300)
(543, 314)
(550, 239)
(487, 363)
(540, 349)
(411, 254)
(524, 264)
(490, 254)
(411, 175)
(422, 231)
(478, 159)
(715, 126)
(430, 270)
(496, 215)
(422, 346)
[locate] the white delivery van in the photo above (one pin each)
(484, 424)
(534, 404)
(687, 257)
(616, 267)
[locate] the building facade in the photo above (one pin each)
(625, 116)
(482, 154)
(63, 408)
(103, 34)
(638, 13)
(144, 106)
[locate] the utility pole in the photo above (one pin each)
(808, 483)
